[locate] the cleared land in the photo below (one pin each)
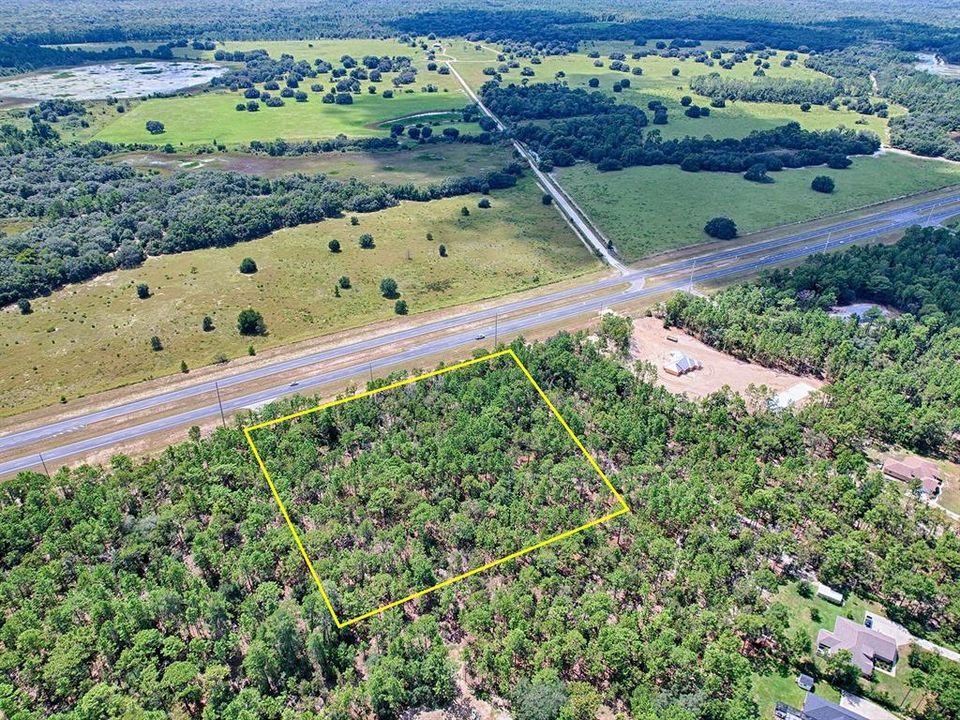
(421, 164)
(738, 119)
(650, 343)
(646, 210)
(96, 335)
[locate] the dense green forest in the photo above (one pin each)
(895, 379)
(173, 585)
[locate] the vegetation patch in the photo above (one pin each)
(382, 477)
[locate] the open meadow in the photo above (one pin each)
(97, 335)
(420, 164)
(209, 115)
(647, 210)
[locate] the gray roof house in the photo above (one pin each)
(815, 708)
(867, 647)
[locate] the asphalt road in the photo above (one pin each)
(709, 267)
(593, 239)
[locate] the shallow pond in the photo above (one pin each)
(936, 65)
(116, 79)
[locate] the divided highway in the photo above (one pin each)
(531, 313)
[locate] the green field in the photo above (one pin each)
(420, 164)
(203, 117)
(736, 120)
(96, 335)
(646, 210)
(211, 116)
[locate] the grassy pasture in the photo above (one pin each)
(646, 210)
(738, 119)
(96, 335)
(201, 117)
(420, 164)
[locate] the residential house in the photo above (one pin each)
(867, 647)
(916, 468)
(815, 708)
(680, 364)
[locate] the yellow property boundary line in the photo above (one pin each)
(624, 508)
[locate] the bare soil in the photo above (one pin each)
(650, 343)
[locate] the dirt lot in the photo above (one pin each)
(650, 343)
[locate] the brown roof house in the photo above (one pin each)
(916, 468)
(867, 647)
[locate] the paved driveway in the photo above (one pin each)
(864, 707)
(904, 637)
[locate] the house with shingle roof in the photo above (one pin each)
(916, 468)
(867, 647)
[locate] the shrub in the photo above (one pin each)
(366, 241)
(388, 288)
(464, 211)
(400, 307)
(154, 127)
(155, 344)
(344, 282)
(334, 246)
(248, 266)
(207, 323)
(143, 291)
(758, 173)
(250, 322)
(483, 204)
(722, 228)
(823, 184)
(24, 306)
(442, 250)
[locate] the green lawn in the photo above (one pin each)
(96, 335)
(769, 689)
(646, 210)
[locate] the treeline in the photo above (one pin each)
(611, 135)
(306, 147)
(934, 102)
(21, 57)
(570, 29)
(173, 586)
(766, 89)
(893, 379)
(93, 217)
(549, 100)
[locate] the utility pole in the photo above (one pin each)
(496, 328)
(826, 242)
(44, 463)
(223, 420)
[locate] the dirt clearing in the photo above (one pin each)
(650, 342)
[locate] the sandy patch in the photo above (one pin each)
(650, 343)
